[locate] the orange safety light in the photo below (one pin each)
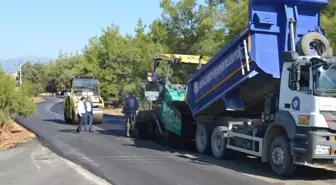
(332, 151)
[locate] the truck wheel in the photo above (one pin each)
(218, 143)
(135, 133)
(280, 157)
(141, 125)
(203, 138)
(140, 130)
(315, 41)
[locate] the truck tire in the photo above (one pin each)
(142, 122)
(135, 132)
(280, 157)
(316, 41)
(203, 138)
(218, 143)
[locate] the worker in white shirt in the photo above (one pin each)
(89, 112)
(81, 109)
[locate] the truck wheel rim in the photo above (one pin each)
(317, 46)
(278, 156)
(218, 143)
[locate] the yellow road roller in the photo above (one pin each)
(83, 86)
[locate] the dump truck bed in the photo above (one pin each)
(246, 70)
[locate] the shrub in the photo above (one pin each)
(33, 89)
(14, 99)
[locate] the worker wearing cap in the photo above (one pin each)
(130, 107)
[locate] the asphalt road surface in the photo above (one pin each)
(124, 161)
(32, 164)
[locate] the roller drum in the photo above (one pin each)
(98, 116)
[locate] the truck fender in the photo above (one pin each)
(284, 123)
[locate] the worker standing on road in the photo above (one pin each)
(130, 107)
(81, 114)
(89, 112)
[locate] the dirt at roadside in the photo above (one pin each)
(12, 134)
(38, 100)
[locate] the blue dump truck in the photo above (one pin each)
(270, 92)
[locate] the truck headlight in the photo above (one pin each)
(322, 150)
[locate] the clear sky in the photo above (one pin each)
(42, 28)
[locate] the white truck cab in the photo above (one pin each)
(308, 94)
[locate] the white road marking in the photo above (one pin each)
(82, 156)
(86, 174)
(190, 156)
(32, 157)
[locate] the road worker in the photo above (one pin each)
(130, 107)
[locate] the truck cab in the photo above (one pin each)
(308, 103)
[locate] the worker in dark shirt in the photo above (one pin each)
(155, 77)
(130, 107)
(152, 76)
(89, 111)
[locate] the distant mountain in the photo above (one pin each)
(12, 65)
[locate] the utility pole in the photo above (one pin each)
(20, 73)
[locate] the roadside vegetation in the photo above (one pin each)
(121, 61)
(14, 100)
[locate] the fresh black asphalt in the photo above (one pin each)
(124, 161)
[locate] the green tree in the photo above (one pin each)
(235, 16)
(35, 75)
(189, 28)
(328, 21)
(14, 99)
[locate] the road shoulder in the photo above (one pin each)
(33, 164)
